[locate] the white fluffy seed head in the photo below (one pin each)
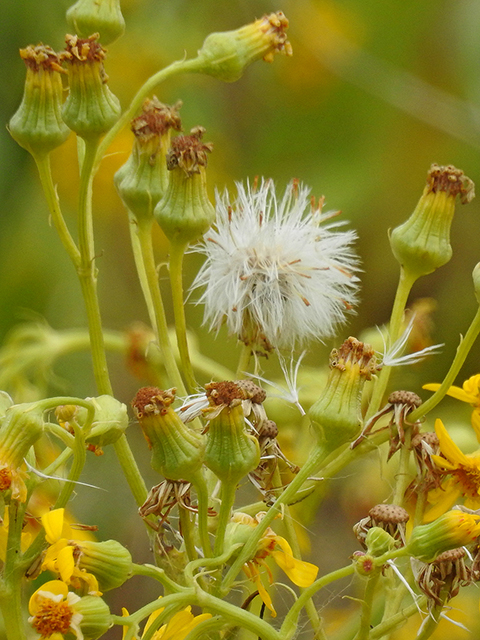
(274, 270)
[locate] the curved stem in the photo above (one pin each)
(11, 592)
(462, 352)
(180, 66)
(177, 251)
(87, 272)
(398, 620)
(187, 532)
(44, 170)
(405, 284)
(147, 272)
(158, 574)
(130, 470)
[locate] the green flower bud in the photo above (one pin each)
(109, 562)
(96, 617)
(226, 55)
(379, 541)
(422, 243)
(143, 179)
(231, 453)
(37, 125)
(364, 563)
(177, 452)
(453, 529)
(336, 414)
(20, 428)
(90, 109)
(89, 16)
(185, 213)
(110, 422)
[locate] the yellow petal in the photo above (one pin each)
(65, 563)
(454, 392)
(476, 423)
(447, 445)
(446, 500)
(53, 587)
(472, 386)
(301, 573)
(153, 616)
(53, 524)
(264, 595)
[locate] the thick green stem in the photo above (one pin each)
(158, 574)
(248, 551)
(177, 251)
(186, 531)
(147, 271)
(403, 476)
(398, 620)
(11, 591)
(405, 284)
(462, 352)
(131, 470)
(367, 607)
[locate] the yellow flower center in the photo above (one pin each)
(469, 479)
(5, 479)
(52, 617)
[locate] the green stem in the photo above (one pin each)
(177, 251)
(202, 507)
(229, 491)
(289, 626)
(367, 606)
(463, 350)
(11, 593)
(147, 272)
(403, 476)
(87, 271)
(44, 170)
(187, 532)
(398, 620)
(158, 574)
(180, 66)
(292, 539)
(243, 361)
(131, 470)
(405, 284)
(248, 551)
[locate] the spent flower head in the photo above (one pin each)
(274, 271)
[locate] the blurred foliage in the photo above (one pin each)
(375, 92)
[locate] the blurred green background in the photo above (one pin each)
(375, 92)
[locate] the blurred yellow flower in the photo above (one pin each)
(61, 556)
(463, 476)
(300, 572)
(178, 627)
(470, 392)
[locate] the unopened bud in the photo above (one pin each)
(96, 617)
(109, 562)
(102, 16)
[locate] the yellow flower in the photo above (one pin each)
(470, 392)
(62, 555)
(463, 476)
(178, 627)
(52, 611)
(300, 573)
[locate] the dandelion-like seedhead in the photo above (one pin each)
(274, 270)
